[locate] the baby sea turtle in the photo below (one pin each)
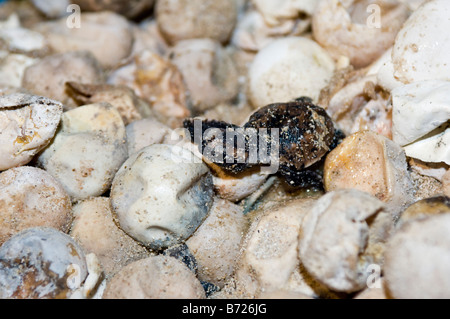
(304, 134)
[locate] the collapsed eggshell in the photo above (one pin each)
(421, 46)
(94, 229)
(157, 81)
(338, 242)
(372, 163)
(47, 77)
(106, 35)
(208, 71)
(156, 277)
(41, 263)
(350, 28)
(94, 135)
(417, 259)
(161, 195)
(188, 19)
(288, 68)
(27, 124)
(30, 197)
(121, 97)
(215, 244)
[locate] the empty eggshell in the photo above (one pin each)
(421, 46)
(188, 19)
(31, 197)
(27, 124)
(121, 97)
(275, 12)
(95, 230)
(41, 263)
(94, 135)
(417, 259)
(372, 163)
(208, 70)
(156, 277)
(342, 236)
(77, 66)
(420, 113)
(356, 30)
(279, 71)
(52, 8)
(157, 81)
(215, 244)
(161, 195)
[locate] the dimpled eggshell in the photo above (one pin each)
(87, 150)
(40, 262)
(31, 197)
(27, 124)
(161, 195)
(288, 68)
(421, 48)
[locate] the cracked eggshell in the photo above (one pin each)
(279, 71)
(420, 113)
(94, 229)
(188, 19)
(372, 163)
(208, 70)
(421, 47)
(155, 277)
(48, 76)
(161, 195)
(341, 236)
(106, 35)
(350, 28)
(94, 135)
(27, 124)
(417, 259)
(31, 197)
(54, 263)
(215, 244)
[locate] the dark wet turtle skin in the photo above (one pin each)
(306, 135)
